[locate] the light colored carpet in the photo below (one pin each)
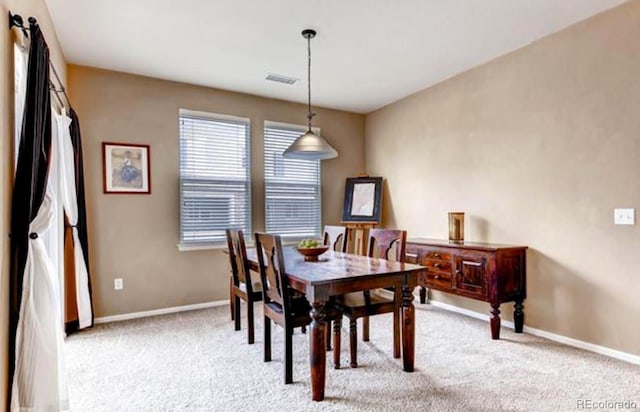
(195, 361)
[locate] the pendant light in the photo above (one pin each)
(310, 146)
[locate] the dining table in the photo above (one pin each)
(337, 273)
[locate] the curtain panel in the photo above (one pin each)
(36, 367)
(78, 310)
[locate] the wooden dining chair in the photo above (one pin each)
(336, 237)
(282, 305)
(386, 244)
(245, 285)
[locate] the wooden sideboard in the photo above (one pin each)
(481, 271)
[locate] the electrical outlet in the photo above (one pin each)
(624, 216)
(118, 284)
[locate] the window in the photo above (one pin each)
(292, 187)
(215, 177)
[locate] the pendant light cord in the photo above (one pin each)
(310, 114)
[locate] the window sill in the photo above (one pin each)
(193, 248)
(221, 246)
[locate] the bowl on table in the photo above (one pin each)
(311, 253)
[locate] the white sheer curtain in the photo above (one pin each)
(20, 62)
(70, 202)
(39, 382)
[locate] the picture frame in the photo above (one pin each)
(126, 168)
(362, 200)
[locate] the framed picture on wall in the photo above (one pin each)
(126, 168)
(362, 200)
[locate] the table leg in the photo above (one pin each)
(318, 351)
(408, 329)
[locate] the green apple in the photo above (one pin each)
(308, 243)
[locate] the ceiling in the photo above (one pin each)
(368, 53)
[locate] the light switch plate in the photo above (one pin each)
(624, 216)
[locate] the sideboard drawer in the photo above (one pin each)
(437, 265)
(437, 254)
(439, 281)
(411, 257)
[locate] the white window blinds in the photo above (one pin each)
(215, 177)
(292, 187)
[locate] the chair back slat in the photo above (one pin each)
(275, 285)
(336, 238)
(387, 244)
(238, 258)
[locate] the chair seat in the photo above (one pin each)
(356, 299)
(299, 307)
(256, 284)
(301, 310)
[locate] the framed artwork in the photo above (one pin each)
(362, 200)
(126, 168)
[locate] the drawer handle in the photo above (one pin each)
(436, 277)
(437, 265)
(411, 255)
(437, 255)
(466, 262)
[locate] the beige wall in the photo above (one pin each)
(537, 147)
(135, 236)
(25, 8)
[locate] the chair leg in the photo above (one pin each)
(267, 339)
(337, 329)
(327, 335)
(231, 299)
(288, 355)
(365, 329)
(236, 307)
(353, 342)
(250, 328)
(396, 332)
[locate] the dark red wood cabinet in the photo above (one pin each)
(482, 271)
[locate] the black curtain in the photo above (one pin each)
(81, 226)
(31, 174)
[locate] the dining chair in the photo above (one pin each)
(336, 237)
(281, 304)
(245, 284)
(386, 244)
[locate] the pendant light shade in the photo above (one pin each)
(310, 146)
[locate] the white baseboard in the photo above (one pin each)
(612, 353)
(163, 311)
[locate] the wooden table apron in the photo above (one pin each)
(338, 273)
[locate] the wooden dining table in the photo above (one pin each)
(337, 273)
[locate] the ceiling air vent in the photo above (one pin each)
(281, 78)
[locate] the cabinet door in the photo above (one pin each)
(471, 274)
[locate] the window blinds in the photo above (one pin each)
(292, 187)
(215, 177)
